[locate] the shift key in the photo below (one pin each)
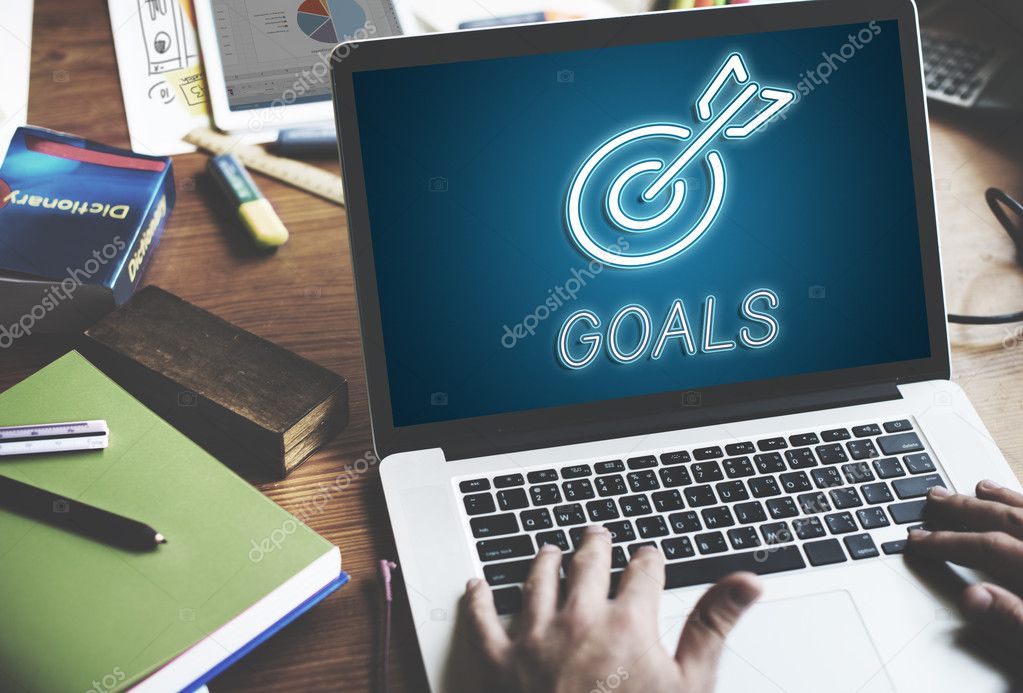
(506, 547)
(916, 486)
(900, 443)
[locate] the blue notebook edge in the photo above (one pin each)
(248, 647)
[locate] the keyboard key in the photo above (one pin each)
(872, 518)
(635, 505)
(843, 498)
(576, 471)
(824, 552)
(685, 522)
(743, 538)
(764, 486)
(900, 443)
(916, 486)
(920, 463)
(893, 547)
(876, 493)
(649, 527)
(557, 537)
(609, 467)
(771, 444)
(827, 477)
(746, 448)
(618, 557)
(840, 523)
(706, 570)
(834, 434)
(857, 472)
(644, 462)
(612, 485)
(706, 471)
(720, 516)
(861, 449)
(479, 504)
(677, 547)
(677, 457)
(860, 546)
(911, 511)
(473, 485)
(808, 527)
(569, 515)
(505, 547)
(698, 496)
(711, 542)
(889, 468)
(813, 503)
(494, 525)
(620, 531)
(831, 454)
(508, 600)
(738, 467)
(645, 480)
(578, 490)
(731, 491)
(800, 458)
(776, 533)
(708, 453)
(674, 476)
(802, 439)
(896, 426)
(666, 501)
(507, 480)
(794, 482)
(536, 519)
(545, 494)
(507, 573)
(748, 513)
(512, 499)
(866, 430)
(782, 507)
(600, 510)
(769, 463)
(540, 476)
(576, 535)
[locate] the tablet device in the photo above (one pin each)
(268, 61)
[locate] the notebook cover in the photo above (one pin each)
(76, 611)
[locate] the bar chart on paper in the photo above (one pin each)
(330, 21)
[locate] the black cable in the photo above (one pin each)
(998, 201)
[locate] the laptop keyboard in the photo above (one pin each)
(772, 505)
(957, 69)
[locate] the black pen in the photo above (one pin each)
(75, 516)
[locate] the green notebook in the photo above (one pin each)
(77, 613)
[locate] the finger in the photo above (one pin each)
(955, 510)
(989, 490)
(589, 576)
(996, 553)
(995, 610)
(717, 612)
(643, 581)
(485, 622)
(540, 593)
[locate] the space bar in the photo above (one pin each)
(773, 560)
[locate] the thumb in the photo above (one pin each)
(717, 612)
(995, 610)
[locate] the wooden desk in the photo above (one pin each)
(303, 299)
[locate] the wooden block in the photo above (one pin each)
(257, 406)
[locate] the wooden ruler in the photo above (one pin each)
(299, 174)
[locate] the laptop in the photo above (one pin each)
(676, 274)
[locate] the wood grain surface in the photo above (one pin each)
(302, 298)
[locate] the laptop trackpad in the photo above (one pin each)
(803, 644)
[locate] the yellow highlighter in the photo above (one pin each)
(265, 227)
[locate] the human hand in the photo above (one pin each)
(992, 543)
(590, 639)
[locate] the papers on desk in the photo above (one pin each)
(16, 37)
(162, 83)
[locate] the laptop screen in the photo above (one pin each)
(578, 227)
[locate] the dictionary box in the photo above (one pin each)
(79, 223)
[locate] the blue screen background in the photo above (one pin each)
(467, 166)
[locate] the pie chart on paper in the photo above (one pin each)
(330, 21)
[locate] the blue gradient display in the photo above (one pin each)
(468, 167)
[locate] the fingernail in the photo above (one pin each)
(472, 584)
(919, 533)
(549, 548)
(989, 485)
(596, 529)
(648, 549)
(939, 492)
(976, 600)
